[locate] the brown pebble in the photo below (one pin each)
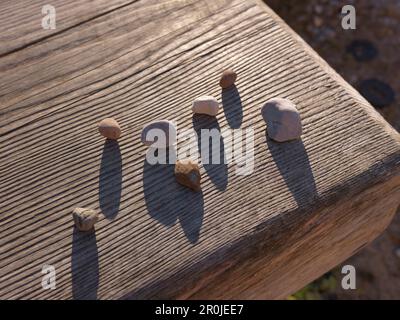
(228, 79)
(84, 218)
(110, 129)
(187, 173)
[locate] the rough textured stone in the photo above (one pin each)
(85, 218)
(228, 79)
(110, 128)
(167, 127)
(206, 105)
(187, 173)
(283, 120)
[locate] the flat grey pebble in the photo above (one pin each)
(152, 130)
(283, 120)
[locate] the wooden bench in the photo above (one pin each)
(308, 205)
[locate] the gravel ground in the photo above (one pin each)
(368, 58)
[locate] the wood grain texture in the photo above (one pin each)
(308, 205)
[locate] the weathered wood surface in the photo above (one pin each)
(308, 205)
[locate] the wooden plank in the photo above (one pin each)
(308, 205)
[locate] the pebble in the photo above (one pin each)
(206, 105)
(84, 218)
(283, 120)
(110, 129)
(228, 79)
(187, 173)
(165, 126)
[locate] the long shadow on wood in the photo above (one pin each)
(213, 152)
(294, 165)
(232, 104)
(169, 202)
(84, 265)
(110, 179)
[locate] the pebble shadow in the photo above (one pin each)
(218, 172)
(84, 265)
(232, 104)
(110, 179)
(294, 165)
(169, 202)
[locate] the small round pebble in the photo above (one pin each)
(187, 173)
(206, 105)
(151, 131)
(84, 218)
(228, 79)
(283, 120)
(110, 129)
